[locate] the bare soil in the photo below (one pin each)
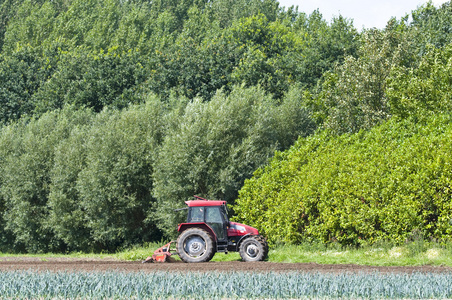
(74, 264)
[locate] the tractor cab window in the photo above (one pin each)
(224, 212)
(215, 220)
(213, 215)
(196, 215)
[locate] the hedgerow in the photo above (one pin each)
(391, 183)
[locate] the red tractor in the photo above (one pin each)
(208, 231)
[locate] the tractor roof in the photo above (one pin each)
(195, 203)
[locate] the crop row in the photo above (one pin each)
(117, 285)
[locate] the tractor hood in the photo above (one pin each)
(237, 229)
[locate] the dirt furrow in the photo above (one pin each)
(71, 264)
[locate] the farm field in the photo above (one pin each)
(77, 264)
(75, 278)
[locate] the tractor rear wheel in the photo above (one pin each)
(253, 248)
(195, 245)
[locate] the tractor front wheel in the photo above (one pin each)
(195, 245)
(253, 248)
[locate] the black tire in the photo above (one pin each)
(195, 245)
(253, 248)
(214, 247)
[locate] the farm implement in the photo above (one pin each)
(162, 254)
(208, 231)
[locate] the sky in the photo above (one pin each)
(365, 13)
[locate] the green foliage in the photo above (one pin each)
(7, 10)
(423, 90)
(235, 81)
(267, 54)
(66, 216)
(227, 11)
(323, 45)
(73, 180)
(21, 75)
(103, 53)
(27, 149)
(432, 26)
(252, 51)
(32, 25)
(356, 189)
(353, 97)
(115, 185)
(195, 65)
(224, 285)
(217, 145)
(97, 80)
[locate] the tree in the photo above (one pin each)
(7, 11)
(423, 90)
(267, 54)
(216, 145)
(253, 51)
(225, 12)
(28, 156)
(83, 79)
(67, 217)
(21, 75)
(354, 95)
(31, 26)
(323, 45)
(431, 26)
(114, 186)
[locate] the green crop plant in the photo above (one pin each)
(159, 285)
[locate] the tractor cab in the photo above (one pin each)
(213, 213)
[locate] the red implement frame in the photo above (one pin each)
(162, 254)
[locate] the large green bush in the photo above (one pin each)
(386, 184)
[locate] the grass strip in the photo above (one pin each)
(410, 254)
